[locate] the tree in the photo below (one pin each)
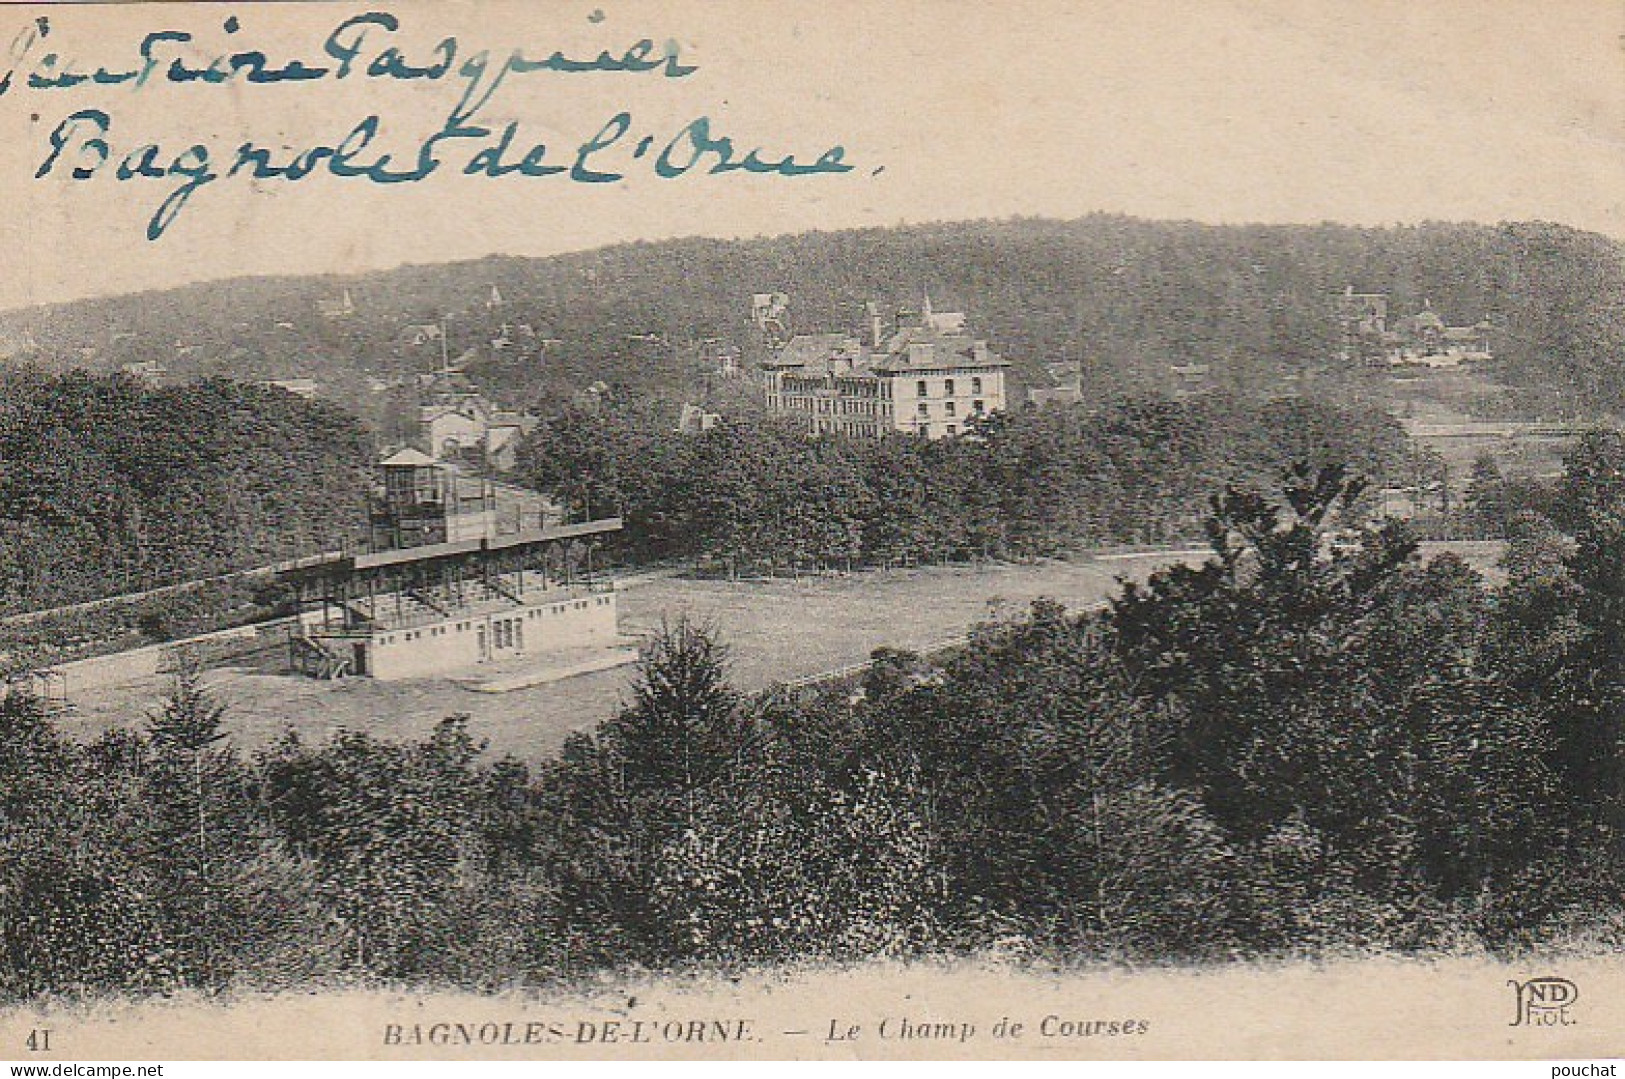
(1337, 685)
(197, 829)
(1485, 497)
(190, 719)
(401, 840)
(685, 729)
(620, 801)
(1165, 877)
(1590, 714)
(77, 912)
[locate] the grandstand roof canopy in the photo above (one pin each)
(340, 564)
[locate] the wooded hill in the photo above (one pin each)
(1126, 297)
(108, 487)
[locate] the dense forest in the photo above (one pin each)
(1124, 297)
(761, 496)
(1303, 746)
(109, 486)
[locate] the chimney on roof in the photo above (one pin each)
(876, 332)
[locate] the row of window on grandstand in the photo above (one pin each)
(510, 633)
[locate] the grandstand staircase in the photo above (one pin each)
(355, 616)
(494, 589)
(422, 601)
(315, 657)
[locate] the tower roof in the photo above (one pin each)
(409, 458)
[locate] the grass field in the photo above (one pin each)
(778, 631)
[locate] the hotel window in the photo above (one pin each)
(975, 385)
(925, 409)
(952, 429)
(978, 407)
(948, 408)
(948, 387)
(920, 387)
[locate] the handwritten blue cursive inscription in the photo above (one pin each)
(86, 144)
(81, 148)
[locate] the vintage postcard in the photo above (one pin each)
(756, 529)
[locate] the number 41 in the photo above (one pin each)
(39, 1041)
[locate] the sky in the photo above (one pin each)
(1357, 111)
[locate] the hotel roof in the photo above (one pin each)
(912, 348)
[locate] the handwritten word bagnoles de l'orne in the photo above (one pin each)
(81, 146)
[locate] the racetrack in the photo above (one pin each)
(778, 631)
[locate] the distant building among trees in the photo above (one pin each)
(336, 307)
(1422, 338)
(150, 373)
(1187, 379)
(299, 387)
(1065, 386)
(928, 378)
(455, 420)
(695, 420)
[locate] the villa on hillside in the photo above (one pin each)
(1422, 339)
(928, 378)
(456, 418)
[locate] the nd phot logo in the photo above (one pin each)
(1544, 1002)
